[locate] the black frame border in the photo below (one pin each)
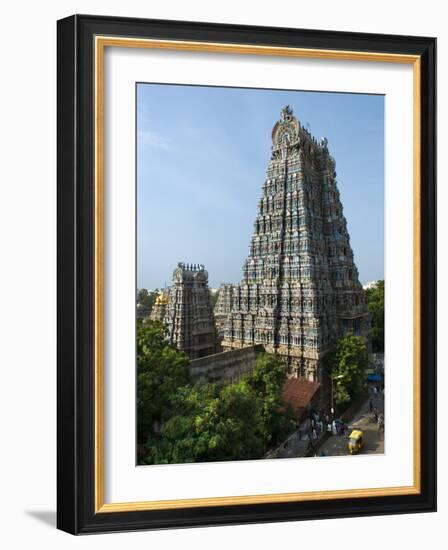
(76, 262)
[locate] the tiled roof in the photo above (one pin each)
(298, 393)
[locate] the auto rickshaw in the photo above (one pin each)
(355, 442)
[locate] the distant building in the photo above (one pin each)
(300, 289)
(189, 312)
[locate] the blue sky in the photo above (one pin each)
(202, 154)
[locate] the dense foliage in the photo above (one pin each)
(161, 370)
(266, 380)
(209, 422)
(183, 422)
(214, 295)
(375, 303)
(348, 362)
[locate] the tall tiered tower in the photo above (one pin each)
(300, 287)
(189, 312)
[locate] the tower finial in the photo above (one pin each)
(286, 113)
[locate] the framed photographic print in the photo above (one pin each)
(246, 267)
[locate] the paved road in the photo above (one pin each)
(297, 444)
(336, 445)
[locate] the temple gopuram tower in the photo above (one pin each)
(159, 308)
(300, 289)
(225, 300)
(189, 312)
(223, 307)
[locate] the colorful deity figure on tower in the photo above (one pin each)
(300, 289)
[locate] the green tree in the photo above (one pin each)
(161, 370)
(347, 364)
(210, 422)
(214, 295)
(267, 379)
(142, 295)
(147, 298)
(236, 421)
(375, 303)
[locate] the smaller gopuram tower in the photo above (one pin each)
(189, 312)
(223, 308)
(225, 300)
(159, 308)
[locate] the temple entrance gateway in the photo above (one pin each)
(300, 289)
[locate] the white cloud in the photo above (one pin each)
(152, 139)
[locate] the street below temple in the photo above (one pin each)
(302, 444)
(365, 420)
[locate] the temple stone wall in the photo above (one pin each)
(228, 366)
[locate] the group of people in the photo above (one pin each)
(373, 402)
(380, 424)
(373, 408)
(318, 423)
